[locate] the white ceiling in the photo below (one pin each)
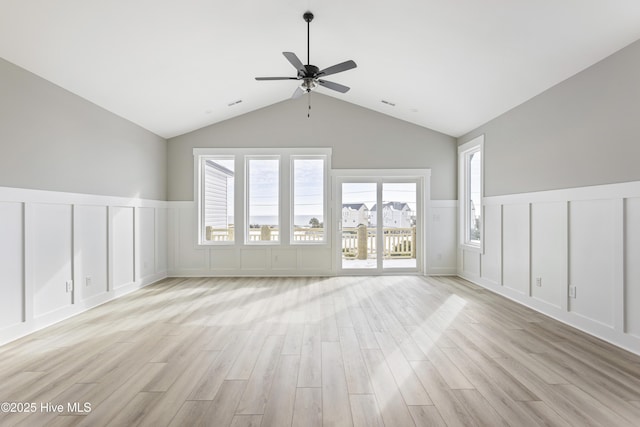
(173, 66)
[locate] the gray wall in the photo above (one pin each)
(53, 140)
(360, 139)
(584, 131)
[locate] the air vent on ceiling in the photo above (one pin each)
(234, 103)
(388, 102)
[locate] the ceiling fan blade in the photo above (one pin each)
(335, 86)
(338, 68)
(294, 60)
(298, 93)
(276, 78)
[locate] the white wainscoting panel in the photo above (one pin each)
(515, 246)
(145, 242)
(48, 238)
(225, 259)
(11, 263)
(51, 257)
(471, 263)
(442, 247)
(492, 257)
(632, 266)
(91, 260)
(122, 253)
(162, 241)
(586, 237)
(315, 260)
(182, 230)
(284, 259)
(549, 253)
(591, 262)
(255, 259)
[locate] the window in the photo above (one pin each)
(217, 207)
(308, 199)
(263, 199)
(471, 192)
(258, 196)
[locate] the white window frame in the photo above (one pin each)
(325, 189)
(285, 207)
(464, 150)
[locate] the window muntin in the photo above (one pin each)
(217, 200)
(263, 199)
(308, 199)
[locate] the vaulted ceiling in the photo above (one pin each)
(175, 66)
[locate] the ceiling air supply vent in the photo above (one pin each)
(388, 103)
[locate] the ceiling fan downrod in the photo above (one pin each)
(308, 17)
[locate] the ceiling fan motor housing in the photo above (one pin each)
(309, 71)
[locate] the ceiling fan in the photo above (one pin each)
(310, 75)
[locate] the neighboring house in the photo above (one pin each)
(354, 214)
(215, 200)
(394, 214)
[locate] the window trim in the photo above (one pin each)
(285, 207)
(464, 150)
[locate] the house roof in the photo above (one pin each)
(398, 206)
(173, 67)
(354, 206)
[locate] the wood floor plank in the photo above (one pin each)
(336, 408)
(259, 382)
(171, 400)
(393, 408)
(481, 411)
(409, 385)
(246, 421)
(307, 411)
(386, 350)
(282, 395)
(191, 413)
(310, 374)
(223, 408)
(206, 387)
(427, 416)
(365, 410)
(354, 367)
(453, 411)
(493, 392)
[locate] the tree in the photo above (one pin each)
(315, 223)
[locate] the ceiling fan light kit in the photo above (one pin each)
(309, 75)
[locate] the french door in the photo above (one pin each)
(380, 221)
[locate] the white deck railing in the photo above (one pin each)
(397, 242)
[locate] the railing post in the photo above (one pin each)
(265, 232)
(362, 241)
(413, 242)
(231, 234)
(209, 232)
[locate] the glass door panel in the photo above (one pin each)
(398, 228)
(358, 235)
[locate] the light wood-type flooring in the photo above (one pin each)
(340, 351)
